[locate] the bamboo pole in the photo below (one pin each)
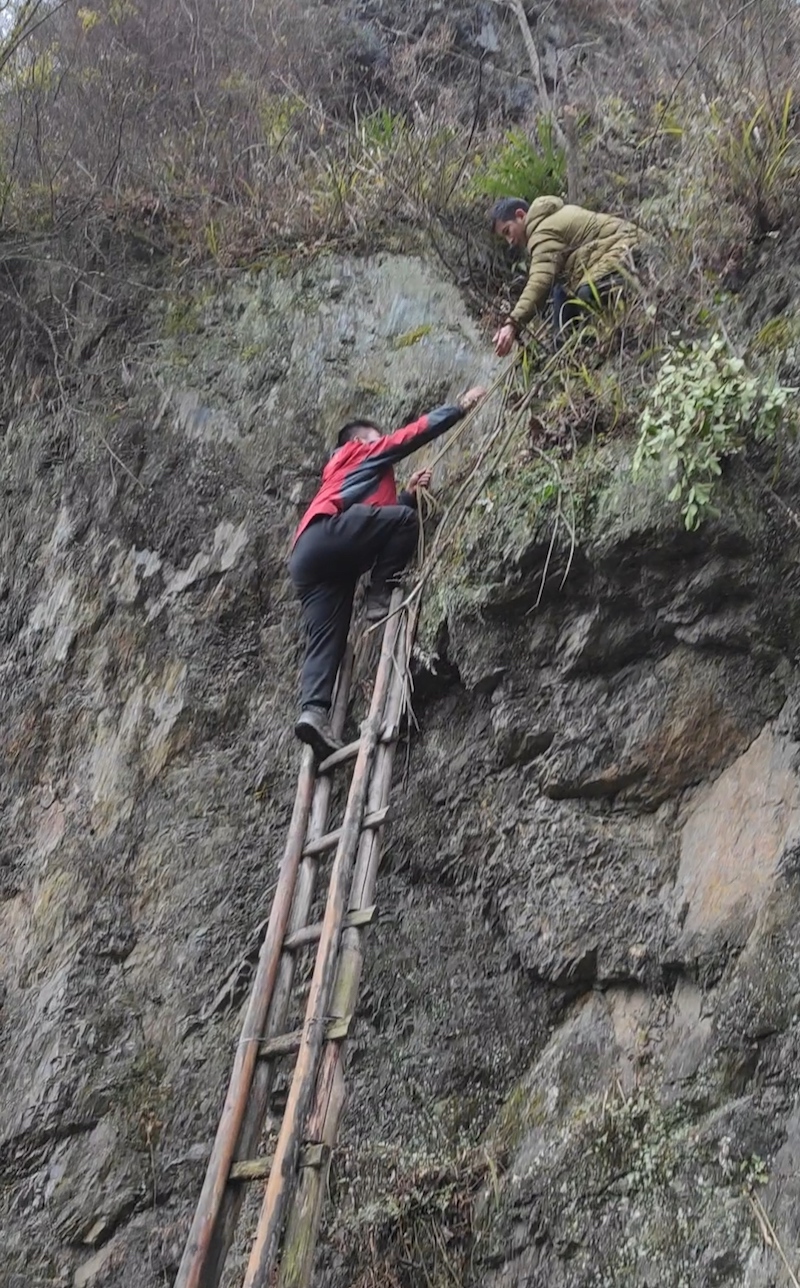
(273, 1212)
(211, 1232)
(263, 1077)
(300, 1241)
(297, 1262)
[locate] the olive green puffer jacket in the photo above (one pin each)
(570, 245)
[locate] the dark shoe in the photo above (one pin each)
(314, 729)
(378, 604)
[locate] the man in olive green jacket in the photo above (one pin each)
(576, 258)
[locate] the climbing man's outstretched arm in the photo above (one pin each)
(390, 449)
(402, 442)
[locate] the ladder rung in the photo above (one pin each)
(287, 1043)
(251, 1169)
(258, 1169)
(350, 752)
(330, 839)
(310, 934)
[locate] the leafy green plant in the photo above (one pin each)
(753, 1171)
(703, 407)
(523, 167)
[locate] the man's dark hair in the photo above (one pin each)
(348, 431)
(506, 208)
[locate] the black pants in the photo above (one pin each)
(325, 565)
(568, 309)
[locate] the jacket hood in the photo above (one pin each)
(542, 208)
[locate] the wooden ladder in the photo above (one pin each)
(282, 1249)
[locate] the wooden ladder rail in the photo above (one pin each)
(216, 1216)
(283, 1172)
(232, 1158)
(302, 1227)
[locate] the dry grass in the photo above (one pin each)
(410, 1222)
(278, 122)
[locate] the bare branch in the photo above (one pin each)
(566, 140)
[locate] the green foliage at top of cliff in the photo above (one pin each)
(704, 407)
(375, 132)
(530, 165)
(300, 124)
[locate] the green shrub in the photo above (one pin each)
(522, 167)
(702, 408)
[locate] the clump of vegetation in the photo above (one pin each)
(412, 1219)
(759, 158)
(704, 407)
(182, 317)
(523, 166)
(637, 1141)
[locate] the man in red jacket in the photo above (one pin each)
(356, 523)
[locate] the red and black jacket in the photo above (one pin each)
(363, 474)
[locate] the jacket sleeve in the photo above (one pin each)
(546, 251)
(387, 451)
(405, 497)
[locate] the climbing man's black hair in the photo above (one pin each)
(348, 431)
(506, 208)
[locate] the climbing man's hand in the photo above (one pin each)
(471, 398)
(421, 478)
(503, 340)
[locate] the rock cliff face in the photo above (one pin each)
(586, 969)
